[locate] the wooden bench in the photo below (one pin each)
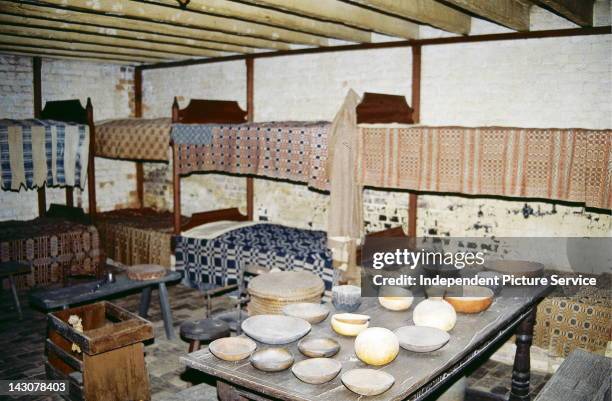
(581, 377)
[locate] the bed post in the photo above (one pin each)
(175, 111)
(37, 89)
(138, 114)
(250, 75)
(91, 166)
(176, 180)
(416, 107)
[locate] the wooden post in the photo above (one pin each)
(416, 116)
(250, 75)
(519, 390)
(138, 114)
(91, 166)
(37, 89)
(176, 181)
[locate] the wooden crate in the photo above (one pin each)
(111, 363)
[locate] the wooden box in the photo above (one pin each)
(111, 363)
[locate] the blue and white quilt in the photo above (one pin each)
(219, 260)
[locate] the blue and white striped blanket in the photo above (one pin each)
(34, 152)
(219, 260)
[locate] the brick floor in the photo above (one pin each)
(22, 348)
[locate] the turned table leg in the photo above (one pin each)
(166, 312)
(145, 301)
(522, 364)
(227, 392)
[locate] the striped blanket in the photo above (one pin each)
(564, 164)
(293, 151)
(219, 260)
(34, 152)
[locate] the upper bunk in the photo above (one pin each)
(148, 139)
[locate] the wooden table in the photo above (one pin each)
(9, 269)
(416, 374)
(94, 291)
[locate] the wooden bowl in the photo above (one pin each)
(518, 268)
(275, 329)
(232, 348)
(421, 338)
(316, 370)
(272, 359)
(346, 298)
(376, 346)
(319, 347)
(349, 324)
(474, 299)
(435, 312)
(311, 312)
(367, 382)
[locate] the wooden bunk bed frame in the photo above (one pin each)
(374, 108)
(71, 111)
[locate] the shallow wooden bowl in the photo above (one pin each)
(421, 338)
(367, 382)
(349, 324)
(518, 268)
(272, 359)
(275, 329)
(319, 347)
(316, 370)
(311, 312)
(474, 299)
(232, 348)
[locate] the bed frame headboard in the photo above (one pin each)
(203, 111)
(70, 111)
(377, 108)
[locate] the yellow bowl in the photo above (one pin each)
(349, 324)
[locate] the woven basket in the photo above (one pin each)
(145, 272)
(271, 292)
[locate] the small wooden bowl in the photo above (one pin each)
(474, 299)
(316, 370)
(319, 347)
(367, 382)
(349, 324)
(311, 312)
(272, 359)
(232, 348)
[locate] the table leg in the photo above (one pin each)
(145, 301)
(227, 392)
(166, 312)
(15, 296)
(522, 363)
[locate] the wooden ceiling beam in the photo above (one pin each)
(349, 14)
(177, 16)
(578, 11)
(119, 33)
(164, 50)
(513, 14)
(85, 47)
(425, 11)
(273, 17)
(8, 48)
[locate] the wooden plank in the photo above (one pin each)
(75, 389)
(250, 84)
(513, 14)
(277, 18)
(37, 106)
(177, 16)
(349, 14)
(76, 48)
(426, 11)
(378, 108)
(91, 168)
(26, 51)
(578, 11)
(66, 331)
(155, 49)
(70, 360)
(416, 116)
(108, 25)
(176, 188)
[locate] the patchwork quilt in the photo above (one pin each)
(37, 152)
(219, 261)
(294, 151)
(134, 138)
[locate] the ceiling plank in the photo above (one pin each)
(349, 14)
(177, 16)
(513, 14)
(426, 11)
(578, 11)
(171, 31)
(119, 33)
(60, 54)
(274, 17)
(171, 51)
(86, 47)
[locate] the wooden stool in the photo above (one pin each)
(9, 269)
(205, 330)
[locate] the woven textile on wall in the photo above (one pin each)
(564, 164)
(134, 138)
(580, 320)
(137, 236)
(219, 260)
(54, 247)
(294, 151)
(37, 152)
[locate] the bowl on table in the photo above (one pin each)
(319, 347)
(311, 312)
(470, 299)
(346, 298)
(421, 338)
(275, 329)
(395, 298)
(349, 324)
(316, 370)
(232, 348)
(272, 359)
(367, 382)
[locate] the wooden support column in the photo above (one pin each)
(250, 75)
(416, 106)
(91, 166)
(138, 114)
(37, 89)
(176, 181)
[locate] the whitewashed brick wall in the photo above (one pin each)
(111, 90)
